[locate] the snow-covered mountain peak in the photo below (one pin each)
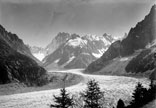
(81, 41)
(40, 56)
(92, 37)
(38, 52)
(75, 51)
(77, 42)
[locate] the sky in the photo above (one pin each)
(37, 22)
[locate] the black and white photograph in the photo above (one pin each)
(77, 53)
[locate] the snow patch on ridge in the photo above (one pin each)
(101, 52)
(124, 59)
(105, 41)
(97, 55)
(39, 56)
(97, 38)
(56, 61)
(70, 59)
(92, 37)
(77, 42)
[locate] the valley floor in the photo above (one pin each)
(115, 87)
(56, 81)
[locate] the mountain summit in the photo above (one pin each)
(74, 51)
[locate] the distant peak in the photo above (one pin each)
(108, 37)
(105, 34)
(62, 36)
(73, 36)
(61, 33)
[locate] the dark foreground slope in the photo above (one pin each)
(17, 63)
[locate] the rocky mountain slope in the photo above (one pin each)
(138, 38)
(61, 38)
(17, 62)
(145, 62)
(15, 43)
(74, 51)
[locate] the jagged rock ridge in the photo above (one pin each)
(138, 37)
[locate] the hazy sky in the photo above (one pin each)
(38, 21)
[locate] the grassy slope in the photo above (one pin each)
(117, 67)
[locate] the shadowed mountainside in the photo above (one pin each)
(138, 38)
(17, 62)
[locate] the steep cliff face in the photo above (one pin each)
(138, 38)
(16, 61)
(61, 38)
(141, 35)
(77, 51)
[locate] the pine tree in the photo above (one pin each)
(92, 96)
(120, 104)
(152, 91)
(142, 96)
(62, 101)
(138, 96)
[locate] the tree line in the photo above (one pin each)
(93, 97)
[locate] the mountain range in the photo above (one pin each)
(73, 51)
